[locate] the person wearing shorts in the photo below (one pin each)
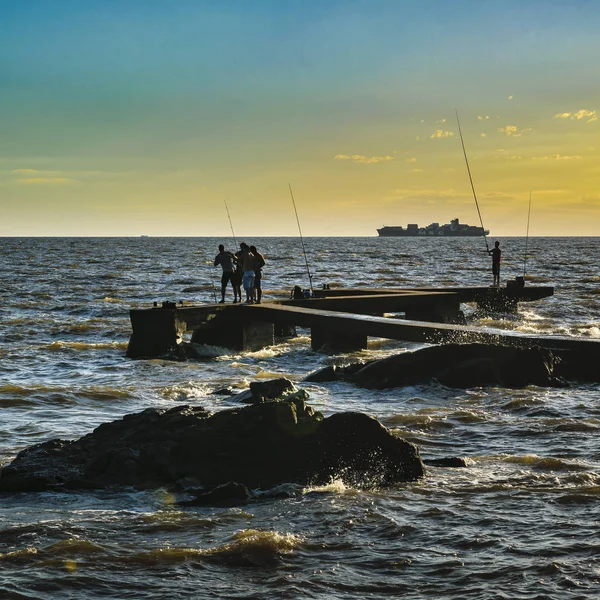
(496, 255)
(247, 259)
(226, 260)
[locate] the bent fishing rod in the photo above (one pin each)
(230, 223)
(471, 180)
(527, 237)
(302, 241)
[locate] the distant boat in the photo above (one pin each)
(452, 229)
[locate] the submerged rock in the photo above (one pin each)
(227, 494)
(335, 373)
(454, 462)
(266, 391)
(258, 446)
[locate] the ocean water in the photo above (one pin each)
(521, 521)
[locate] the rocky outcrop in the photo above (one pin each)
(457, 366)
(463, 366)
(258, 446)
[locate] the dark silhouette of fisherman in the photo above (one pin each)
(496, 255)
(226, 260)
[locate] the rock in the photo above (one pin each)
(452, 461)
(226, 391)
(335, 373)
(463, 366)
(274, 389)
(258, 446)
(228, 494)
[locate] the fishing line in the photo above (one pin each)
(471, 180)
(527, 237)
(302, 241)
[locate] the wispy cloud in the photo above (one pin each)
(412, 159)
(440, 133)
(367, 160)
(25, 171)
(558, 157)
(483, 118)
(44, 180)
(583, 113)
(513, 130)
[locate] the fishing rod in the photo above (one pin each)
(527, 237)
(471, 180)
(302, 241)
(230, 223)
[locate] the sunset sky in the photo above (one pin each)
(130, 117)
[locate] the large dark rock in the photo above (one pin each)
(259, 446)
(463, 366)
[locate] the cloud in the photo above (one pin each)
(25, 171)
(367, 160)
(513, 130)
(411, 160)
(43, 180)
(480, 118)
(558, 157)
(440, 133)
(510, 97)
(583, 113)
(426, 193)
(483, 134)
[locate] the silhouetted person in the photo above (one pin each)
(496, 255)
(259, 263)
(247, 259)
(226, 259)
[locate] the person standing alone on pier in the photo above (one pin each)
(496, 255)
(259, 263)
(226, 260)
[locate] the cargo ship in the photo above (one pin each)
(452, 229)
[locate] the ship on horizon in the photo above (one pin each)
(453, 229)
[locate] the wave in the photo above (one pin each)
(62, 346)
(544, 463)
(248, 547)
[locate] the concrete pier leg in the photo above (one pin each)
(155, 332)
(336, 339)
(236, 335)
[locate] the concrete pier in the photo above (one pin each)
(339, 320)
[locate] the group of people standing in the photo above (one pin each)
(244, 268)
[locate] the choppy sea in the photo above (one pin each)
(521, 521)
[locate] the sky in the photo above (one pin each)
(155, 117)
